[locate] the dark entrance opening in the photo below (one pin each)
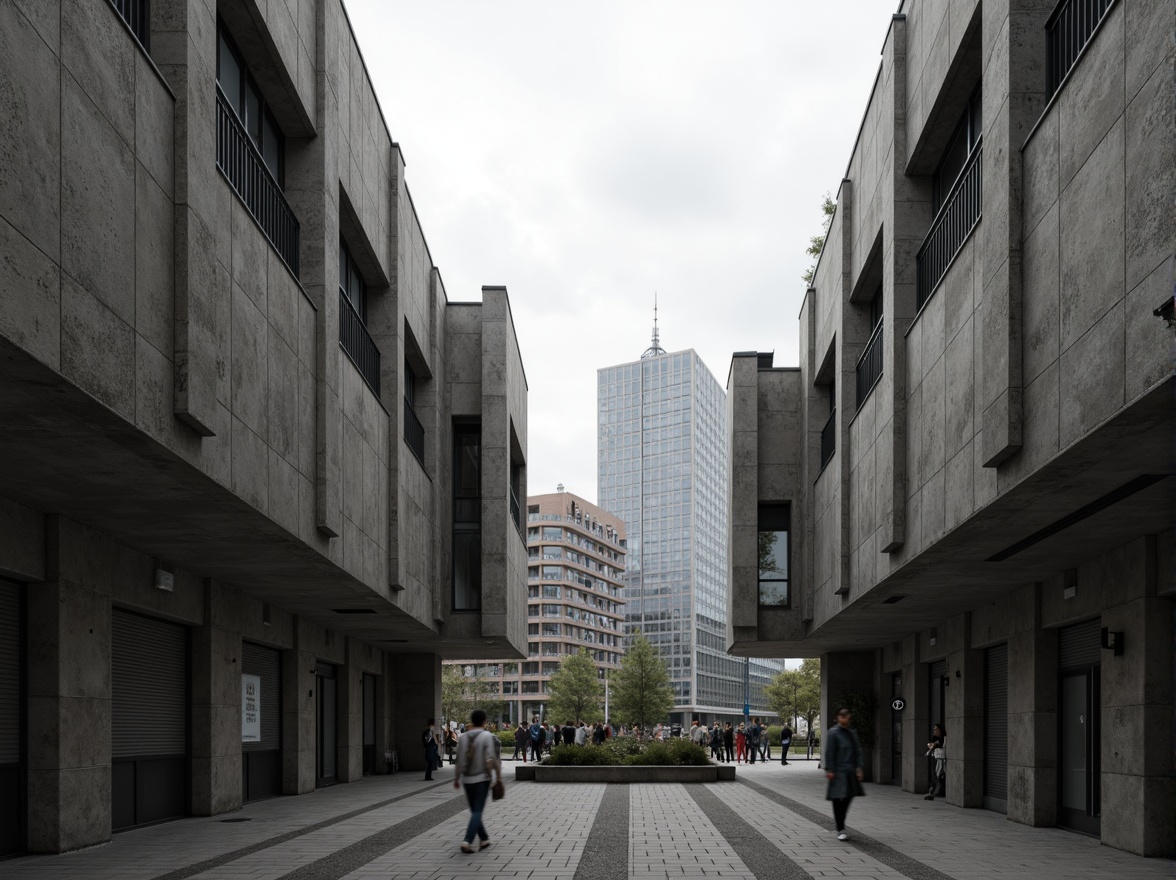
(1079, 734)
(149, 720)
(326, 725)
(12, 740)
(369, 724)
(261, 754)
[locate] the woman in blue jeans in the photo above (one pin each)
(475, 759)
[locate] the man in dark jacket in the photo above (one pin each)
(753, 738)
(569, 733)
(432, 755)
(785, 743)
(843, 768)
(522, 737)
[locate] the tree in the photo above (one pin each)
(575, 691)
(641, 692)
(817, 242)
(796, 693)
(464, 689)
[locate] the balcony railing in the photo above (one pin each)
(414, 431)
(951, 227)
(358, 343)
(869, 365)
(515, 511)
(829, 438)
(137, 15)
(1067, 32)
(247, 174)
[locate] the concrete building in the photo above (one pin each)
(972, 463)
(575, 560)
(662, 461)
(258, 472)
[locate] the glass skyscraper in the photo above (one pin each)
(662, 467)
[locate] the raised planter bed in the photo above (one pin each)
(627, 773)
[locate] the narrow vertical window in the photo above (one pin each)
(467, 516)
(414, 431)
(774, 521)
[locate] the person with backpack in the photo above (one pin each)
(538, 736)
(475, 762)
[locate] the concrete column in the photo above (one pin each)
(1138, 787)
(298, 713)
(350, 691)
(844, 673)
(964, 716)
(1033, 727)
(417, 686)
(216, 704)
(69, 697)
(916, 721)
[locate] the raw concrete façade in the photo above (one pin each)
(258, 473)
(973, 460)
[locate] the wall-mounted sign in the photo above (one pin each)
(250, 708)
(898, 705)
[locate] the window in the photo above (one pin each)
(963, 140)
(869, 365)
(829, 432)
(467, 516)
(353, 334)
(414, 431)
(137, 15)
(250, 149)
(774, 521)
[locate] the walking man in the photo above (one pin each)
(521, 737)
(432, 755)
(475, 761)
(753, 738)
(843, 768)
(785, 743)
(729, 741)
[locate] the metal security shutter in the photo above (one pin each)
(267, 663)
(149, 687)
(1079, 645)
(10, 708)
(996, 727)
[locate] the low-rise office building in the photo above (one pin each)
(258, 473)
(971, 467)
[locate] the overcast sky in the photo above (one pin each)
(587, 155)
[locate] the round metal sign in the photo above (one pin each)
(898, 705)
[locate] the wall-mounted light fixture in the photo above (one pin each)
(934, 635)
(165, 576)
(1069, 583)
(1112, 641)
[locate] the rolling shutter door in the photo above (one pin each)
(149, 687)
(996, 727)
(266, 663)
(10, 708)
(1079, 645)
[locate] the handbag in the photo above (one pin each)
(498, 790)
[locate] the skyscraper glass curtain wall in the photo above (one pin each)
(662, 460)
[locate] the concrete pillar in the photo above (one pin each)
(216, 704)
(964, 715)
(351, 713)
(417, 687)
(69, 697)
(843, 674)
(298, 712)
(916, 720)
(1033, 727)
(1138, 787)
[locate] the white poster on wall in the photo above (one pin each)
(250, 708)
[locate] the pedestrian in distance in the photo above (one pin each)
(569, 733)
(716, 743)
(754, 733)
(740, 744)
(729, 741)
(936, 753)
(843, 768)
(556, 735)
(765, 743)
(582, 734)
(537, 733)
(785, 743)
(475, 764)
(698, 734)
(521, 738)
(598, 734)
(432, 755)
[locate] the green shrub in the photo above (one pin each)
(629, 751)
(581, 756)
(507, 737)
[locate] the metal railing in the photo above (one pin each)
(829, 438)
(414, 431)
(869, 365)
(1067, 31)
(137, 15)
(242, 165)
(951, 226)
(515, 511)
(358, 344)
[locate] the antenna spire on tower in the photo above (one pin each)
(655, 345)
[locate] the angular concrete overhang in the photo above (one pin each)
(63, 452)
(1117, 483)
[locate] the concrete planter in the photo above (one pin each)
(634, 773)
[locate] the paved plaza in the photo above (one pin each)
(771, 823)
